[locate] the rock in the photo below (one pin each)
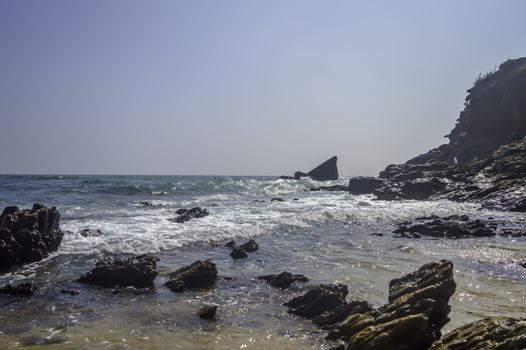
(24, 289)
(417, 310)
(333, 188)
(283, 280)
(89, 232)
(208, 312)
(299, 174)
(28, 235)
(231, 244)
(200, 274)
(71, 292)
(188, 214)
(284, 177)
(138, 271)
(364, 185)
(453, 226)
(277, 199)
(145, 203)
(328, 170)
(421, 189)
(486, 334)
(317, 300)
(340, 313)
(238, 253)
(250, 246)
(258, 201)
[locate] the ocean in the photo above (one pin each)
(327, 236)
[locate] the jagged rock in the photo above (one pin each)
(250, 246)
(317, 300)
(238, 253)
(417, 310)
(25, 288)
(230, 244)
(454, 226)
(328, 170)
(90, 232)
(138, 271)
(283, 280)
(299, 174)
(333, 188)
(340, 313)
(421, 189)
(364, 185)
(487, 334)
(208, 312)
(188, 214)
(28, 235)
(200, 274)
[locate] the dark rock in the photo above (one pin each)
(365, 185)
(258, 201)
(417, 310)
(89, 232)
(28, 235)
(284, 177)
(318, 300)
(231, 244)
(421, 189)
(340, 313)
(486, 334)
(238, 253)
(145, 203)
(200, 274)
(328, 170)
(283, 280)
(188, 214)
(138, 271)
(208, 312)
(250, 246)
(298, 175)
(70, 291)
(453, 226)
(277, 199)
(24, 289)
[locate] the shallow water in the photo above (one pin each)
(325, 236)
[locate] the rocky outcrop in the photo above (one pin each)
(283, 280)
(138, 271)
(454, 226)
(23, 289)
(486, 334)
(485, 160)
(365, 185)
(28, 235)
(200, 274)
(326, 171)
(188, 214)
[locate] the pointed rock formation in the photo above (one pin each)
(328, 170)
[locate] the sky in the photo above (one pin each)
(239, 87)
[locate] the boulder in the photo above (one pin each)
(24, 289)
(283, 280)
(137, 271)
(422, 189)
(318, 300)
(365, 185)
(230, 244)
(486, 334)
(250, 246)
(238, 253)
(90, 232)
(208, 312)
(299, 174)
(200, 274)
(28, 235)
(188, 214)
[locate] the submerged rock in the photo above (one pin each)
(277, 199)
(28, 235)
(188, 214)
(208, 312)
(283, 280)
(238, 253)
(200, 274)
(487, 334)
(230, 244)
(25, 289)
(90, 232)
(454, 226)
(138, 271)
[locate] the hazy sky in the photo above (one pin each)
(239, 87)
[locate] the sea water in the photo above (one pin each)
(330, 237)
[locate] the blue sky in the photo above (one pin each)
(239, 87)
